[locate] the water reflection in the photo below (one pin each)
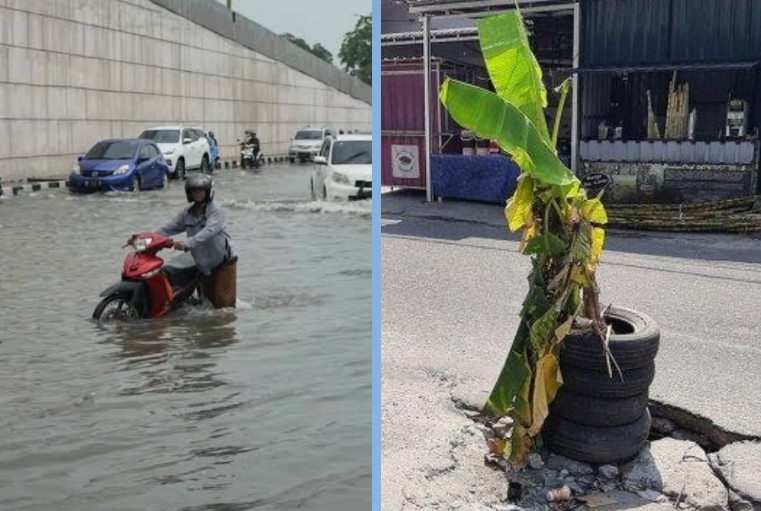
(173, 354)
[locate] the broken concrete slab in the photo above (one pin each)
(620, 500)
(576, 468)
(739, 464)
(467, 396)
(680, 470)
(737, 503)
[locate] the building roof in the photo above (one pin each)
(478, 8)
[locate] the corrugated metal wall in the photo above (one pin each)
(622, 99)
(646, 32)
(632, 32)
(705, 30)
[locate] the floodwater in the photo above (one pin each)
(263, 407)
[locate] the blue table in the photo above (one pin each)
(478, 178)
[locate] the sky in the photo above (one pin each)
(315, 21)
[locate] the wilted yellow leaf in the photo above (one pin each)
(573, 217)
(598, 239)
(496, 445)
(579, 276)
(594, 211)
(520, 445)
(519, 208)
(572, 190)
(529, 233)
(562, 331)
(546, 385)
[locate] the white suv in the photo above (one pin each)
(184, 147)
(307, 142)
(344, 168)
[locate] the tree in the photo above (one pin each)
(322, 52)
(562, 227)
(356, 52)
(317, 50)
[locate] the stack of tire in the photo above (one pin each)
(595, 418)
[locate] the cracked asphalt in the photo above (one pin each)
(452, 285)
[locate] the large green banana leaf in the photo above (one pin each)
(494, 118)
(512, 66)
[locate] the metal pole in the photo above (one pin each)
(427, 99)
(575, 96)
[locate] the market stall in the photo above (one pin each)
(421, 146)
(671, 121)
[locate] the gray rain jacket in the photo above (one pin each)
(208, 242)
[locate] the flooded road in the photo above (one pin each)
(265, 407)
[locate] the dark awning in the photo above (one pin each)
(655, 68)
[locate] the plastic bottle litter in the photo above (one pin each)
(559, 494)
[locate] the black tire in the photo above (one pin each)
(592, 444)
(243, 163)
(164, 181)
(205, 167)
(181, 169)
(302, 160)
(311, 189)
(597, 411)
(292, 160)
(137, 183)
(324, 193)
(633, 343)
(131, 314)
(596, 384)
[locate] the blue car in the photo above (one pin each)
(122, 164)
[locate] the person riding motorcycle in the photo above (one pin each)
(253, 140)
(254, 158)
(208, 241)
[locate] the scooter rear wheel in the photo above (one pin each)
(116, 307)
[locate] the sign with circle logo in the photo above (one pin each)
(405, 161)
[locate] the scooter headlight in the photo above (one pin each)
(141, 244)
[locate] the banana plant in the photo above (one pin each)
(562, 226)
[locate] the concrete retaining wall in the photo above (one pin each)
(76, 71)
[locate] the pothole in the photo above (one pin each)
(670, 472)
(690, 426)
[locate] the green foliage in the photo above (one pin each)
(515, 71)
(561, 226)
(492, 117)
(356, 51)
(317, 50)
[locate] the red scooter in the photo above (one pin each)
(150, 288)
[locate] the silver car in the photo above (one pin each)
(307, 142)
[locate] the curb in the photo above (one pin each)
(234, 164)
(37, 184)
(14, 189)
